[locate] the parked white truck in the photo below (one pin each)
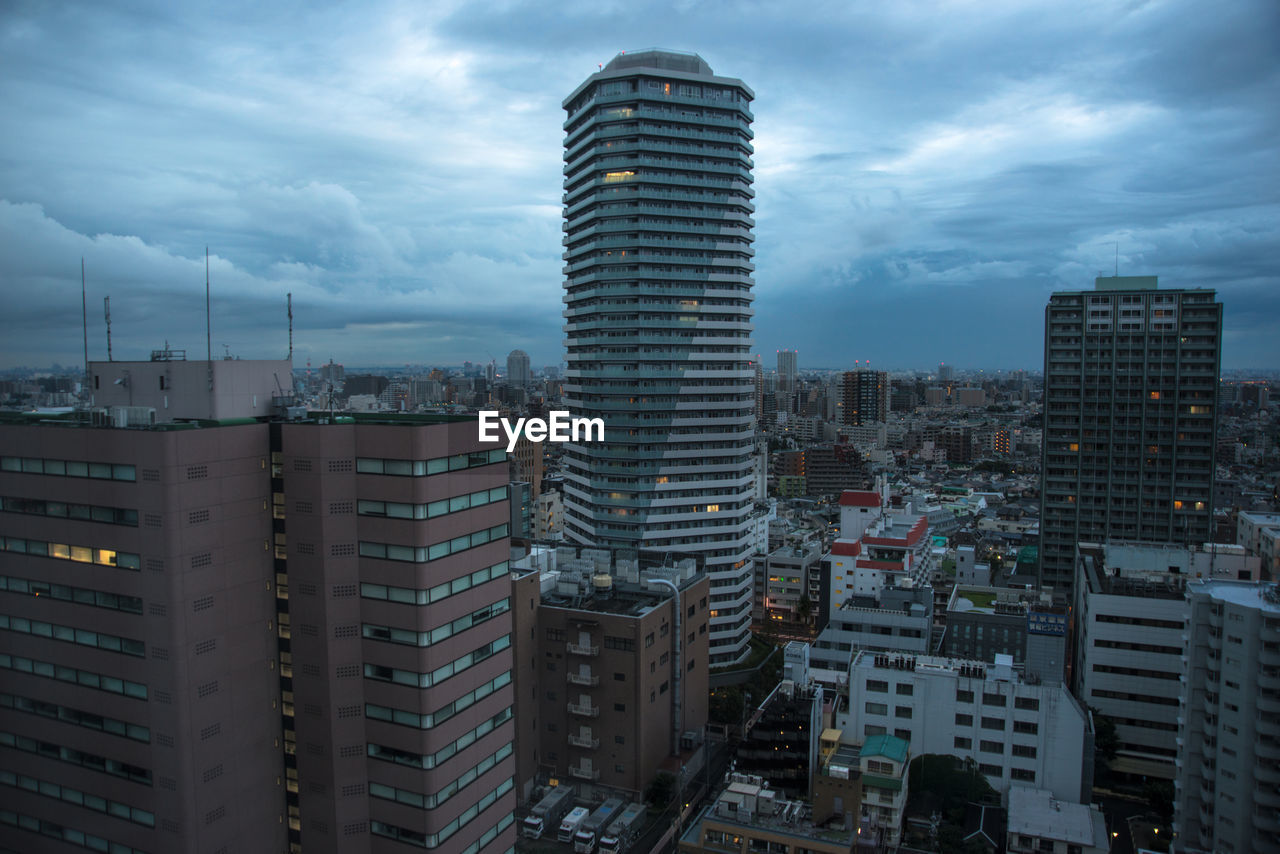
(548, 811)
(571, 823)
(623, 831)
(584, 841)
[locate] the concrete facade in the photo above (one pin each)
(277, 625)
(658, 278)
(607, 672)
(1019, 734)
(399, 633)
(137, 637)
(176, 388)
(1129, 621)
(1227, 796)
(1130, 398)
(899, 620)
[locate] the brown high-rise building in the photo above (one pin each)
(864, 397)
(252, 634)
(1130, 418)
(140, 700)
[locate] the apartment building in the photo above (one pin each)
(900, 619)
(749, 817)
(1227, 795)
(1019, 733)
(1130, 405)
(612, 679)
(141, 705)
(788, 590)
(255, 631)
(877, 545)
(658, 291)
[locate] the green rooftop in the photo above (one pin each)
(888, 746)
(979, 599)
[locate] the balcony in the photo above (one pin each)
(1267, 749)
(1267, 773)
(583, 678)
(584, 773)
(1268, 820)
(585, 710)
(585, 741)
(1268, 796)
(582, 649)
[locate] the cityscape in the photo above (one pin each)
(728, 540)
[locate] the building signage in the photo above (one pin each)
(1047, 624)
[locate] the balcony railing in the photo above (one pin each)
(584, 679)
(584, 741)
(582, 649)
(584, 773)
(587, 710)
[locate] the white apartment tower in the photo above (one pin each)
(658, 278)
(1228, 778)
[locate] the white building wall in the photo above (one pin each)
(932, 716)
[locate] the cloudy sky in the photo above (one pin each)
(926, 173)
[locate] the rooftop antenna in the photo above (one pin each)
(208, 320)
(106, 310)
(1117, 259)
(84, 308)
(290, 299)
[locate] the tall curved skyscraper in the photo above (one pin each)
(658, 234)
(518, 368)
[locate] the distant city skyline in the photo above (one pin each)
(398, 171)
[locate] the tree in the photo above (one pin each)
(948, 781)
(661, 790)
(1105, 739)
(726, 705)
(1159, 794)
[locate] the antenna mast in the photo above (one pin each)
(208, 323)
(106, 310)
(290, 298)
(84, 308)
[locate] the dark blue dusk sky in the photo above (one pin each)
(926, 173)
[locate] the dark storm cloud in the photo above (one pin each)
(926, 173)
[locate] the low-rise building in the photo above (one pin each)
(983, 622)
(782, 743)
(877, 545)
(787, 589)
(900, 619)
(1018, 732)
(1040, 823)
(1259, 533)
(748, 817)
(884, 760)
